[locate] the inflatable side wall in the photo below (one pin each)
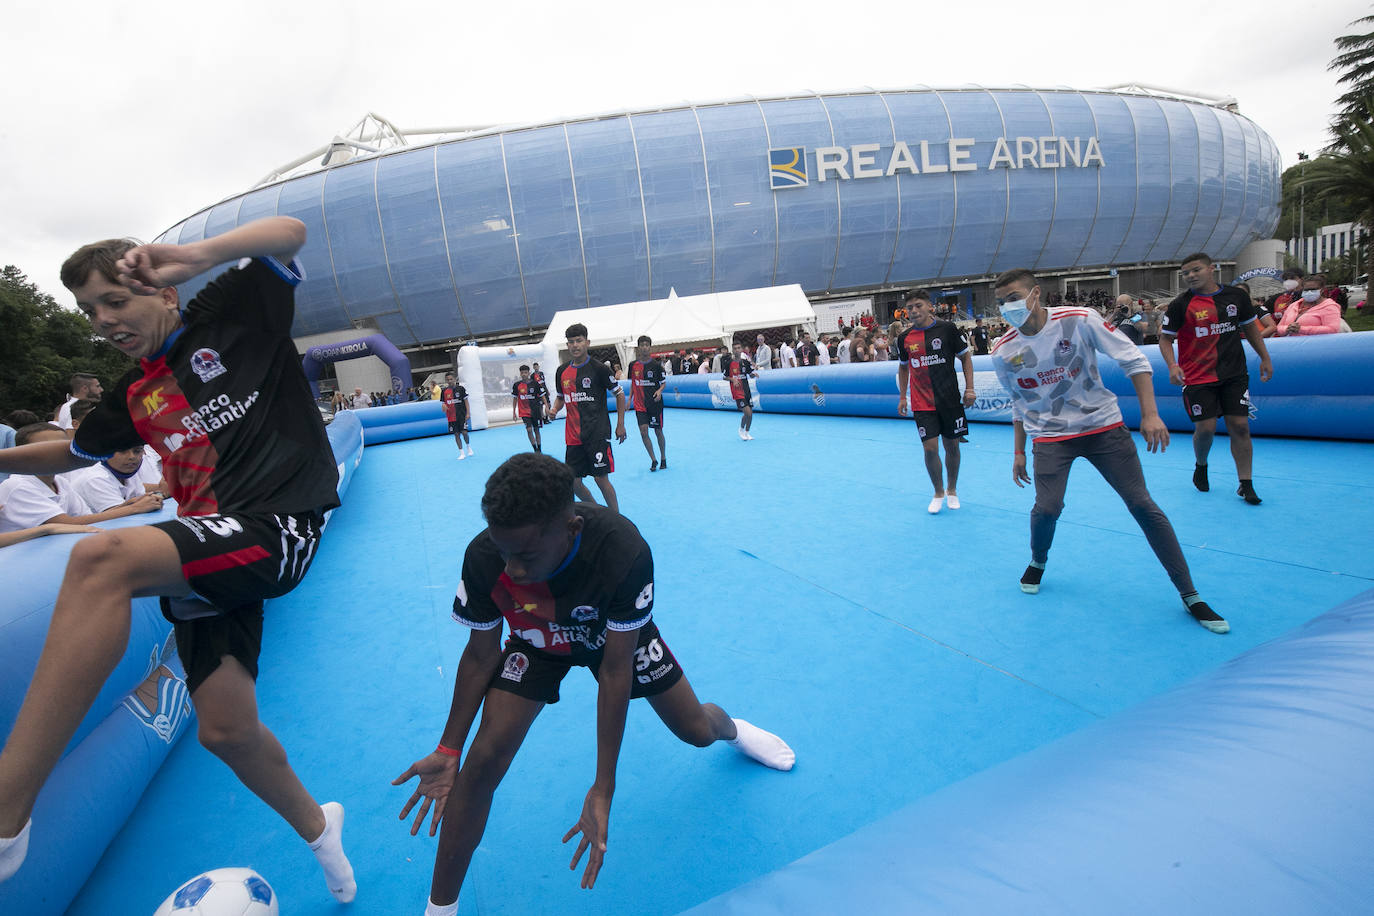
(1242, 791)
(1322, 388)
(142, 711)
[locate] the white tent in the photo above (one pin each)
(681, 321)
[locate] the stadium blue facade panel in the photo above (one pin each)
(677, 210)
(842, 192)
(484, 253)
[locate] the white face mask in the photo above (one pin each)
(1291, 285)
(1311, 295)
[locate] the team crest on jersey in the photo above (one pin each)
(1197, 410)
(205, 363)
(587, 382)
(1231, 310)
(516, 666)
(935, 344)
(583, 613)
(1065, 346)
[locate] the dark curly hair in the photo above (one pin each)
(528, 489)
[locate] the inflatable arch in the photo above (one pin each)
(140, 713)
(375, 345)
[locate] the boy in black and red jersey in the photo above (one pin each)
(524, 396)
(647, 379)
(738, 369)
(455, 399)
(541, 401)
(1208, 320)
(926, 383)
(583, 384)
(220, 395)
(575, 583)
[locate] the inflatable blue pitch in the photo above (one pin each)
(142, 711)
(1322, 388)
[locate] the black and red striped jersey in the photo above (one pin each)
(583, 390)
(646, 377)
(225, 403)
(1208, 332)
(737, 370)
(929, 354)
(455, 398)
(524, 393)
(606, 582)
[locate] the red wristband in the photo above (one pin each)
(446, 751)
(1018, 453)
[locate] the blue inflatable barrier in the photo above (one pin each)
(1243, 791)
(1322, 388)
(412, 420)
(143, 709)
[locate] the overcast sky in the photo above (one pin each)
(122, 119)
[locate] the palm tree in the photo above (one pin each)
(1356, 61)
(1345, 176)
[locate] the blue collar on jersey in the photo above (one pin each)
(927, 327)
(167, 344)
(577, 542)
(581, 364)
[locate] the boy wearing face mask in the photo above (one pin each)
(1048, 362)
(1208, 319)
(1292, 284)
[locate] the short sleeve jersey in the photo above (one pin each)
(606, 583)
(929, 354)
(646, 376)
(807, 355)
(455, 400)
(524, 393)
(541, 388)
(225, 404)
(737, 371)
(1208, 332)
(583, 389)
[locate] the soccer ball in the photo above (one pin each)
(222, 892)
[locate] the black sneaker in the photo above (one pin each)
(1208, 617)
(663, 465)
(1200, 478)
(1030, 579)
(653, 467)
(1246, 491)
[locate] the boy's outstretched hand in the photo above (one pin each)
(149, 268)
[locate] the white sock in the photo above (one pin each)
(328, 849)
(765, 747)
(13, 849)
(434, 909)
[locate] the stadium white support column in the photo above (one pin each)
(470, 377)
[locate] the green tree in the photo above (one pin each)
(43, 344)
(1345, 176)
(1356, 66)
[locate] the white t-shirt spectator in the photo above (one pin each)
(822, 353)
(361, 400)
(787, 357)
(842, 351)
(28, 502)
(99, 488)
(150, 473)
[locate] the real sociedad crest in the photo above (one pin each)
(787, 168)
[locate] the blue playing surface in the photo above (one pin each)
(804, 587)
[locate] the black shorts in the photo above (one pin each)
(457, 425)
(746, 401)
(527, 672)
(949, 422)
(591, 459)
(537, 410)
(233, 563)
(1229, 398)
(531, 422)
(650, 418)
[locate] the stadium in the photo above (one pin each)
(483, 234)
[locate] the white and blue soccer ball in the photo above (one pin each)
(222, 892)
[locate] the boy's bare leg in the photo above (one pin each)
(584, 494)
(86, 639)
(702, 724)
(506, 719)
(608, 493)
(227, 711)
